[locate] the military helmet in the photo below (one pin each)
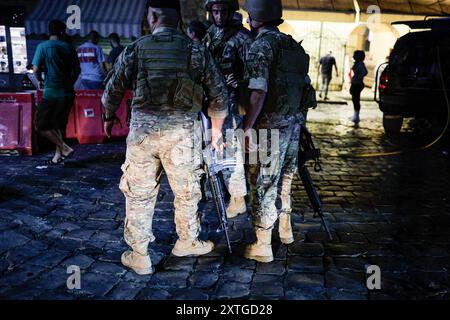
(264, 10)
(165, 4)
(233, 4)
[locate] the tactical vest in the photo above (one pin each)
(229, 63)
(165, 79)
(287, 75)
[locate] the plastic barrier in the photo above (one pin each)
(16, 122)
(88, 113)
(85, 120)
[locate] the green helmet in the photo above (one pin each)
(233, 4)
(264, 10)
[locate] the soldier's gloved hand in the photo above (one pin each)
(231, 81)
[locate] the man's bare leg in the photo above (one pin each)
(66, 151)
(54, 137)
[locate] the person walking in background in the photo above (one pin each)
(196, 30)
(359, 72)
(326, 65)
(92, 62)
(59, 60)
(117, 49)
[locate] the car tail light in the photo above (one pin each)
(384, 80)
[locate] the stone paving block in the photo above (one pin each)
(351, 281)
(52, 279)
(55, 234)
(322, 237)
(202, 280)
(79, 235)
(213, 264)
(69, 245)
(170, 279)
(307, 249)
(276, 268)
(94, 284)
(131, 276)
(153, 294)
(10, 239)
(49, 258)
(352, 237)
(344, 250)
(67, 226)
(267, 285)
(302, 281)
(125, 291)
(23, 253)
(108, 268)
(237, 274)
(81, 261)
(240, 262)
(20, 275)
(232, 290)
(305, 264)
(179, 264)
(36, 224)
(106, 237)
(341, 294)
(189, 295)
(24, 292)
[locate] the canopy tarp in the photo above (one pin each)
(104, 16)
(419, 7)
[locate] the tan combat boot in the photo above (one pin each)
(236, 207)
(285, 229)
(261, 250)
(141, 264)
(191, 247)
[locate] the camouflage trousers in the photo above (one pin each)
(271, 179)
(235, 181)
(152, 148)
(290, 168)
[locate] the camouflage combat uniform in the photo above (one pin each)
(229, 47)
(169, 75)
(276, 65)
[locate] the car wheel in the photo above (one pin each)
(392, 124)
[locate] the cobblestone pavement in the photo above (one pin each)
(389, 211)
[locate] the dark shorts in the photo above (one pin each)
(53, 114)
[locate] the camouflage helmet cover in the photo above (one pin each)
(233, 4)
(264, 10)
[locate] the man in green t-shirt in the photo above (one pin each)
(59, 61)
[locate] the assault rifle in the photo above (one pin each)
(213, 166)
(308, 152)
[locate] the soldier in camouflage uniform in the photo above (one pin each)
(228, 41)
(169, 75)
(277, 67)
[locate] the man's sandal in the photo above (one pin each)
(52, 163)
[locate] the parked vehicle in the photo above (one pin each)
(412, 83)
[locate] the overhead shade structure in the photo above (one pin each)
(104, 16)
(418, 7)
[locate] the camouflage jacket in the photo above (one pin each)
(229, 48)
(130, 67)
